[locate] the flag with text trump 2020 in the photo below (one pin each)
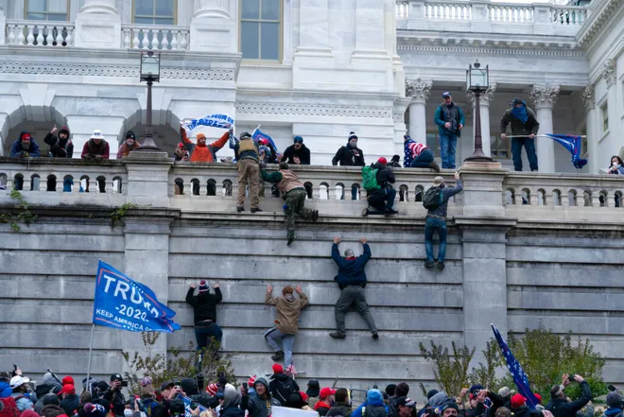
(125, 304)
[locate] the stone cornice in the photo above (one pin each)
(597, 20)
(289, 109)
(493, 50)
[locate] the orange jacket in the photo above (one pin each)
(205, 153)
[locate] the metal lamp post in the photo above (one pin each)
(477, 81)
(150, 72)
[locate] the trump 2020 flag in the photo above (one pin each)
(125, 304)
(515, 369)
(218, 120)
(257, 135)
(572, 144)
(188, 411)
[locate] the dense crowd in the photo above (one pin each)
(257, 397)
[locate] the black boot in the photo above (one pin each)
(278, 356)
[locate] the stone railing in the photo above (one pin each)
(336, 190)
(39, 33)
(508, 14)
(175, 38)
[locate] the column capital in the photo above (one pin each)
(608, 72)
(485, 98)
(589, 100)
(544, 96)
(211, 8)
(418, 90)
(99, 7)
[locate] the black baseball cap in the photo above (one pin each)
(166, 385)
(406, 402)
(116, 377)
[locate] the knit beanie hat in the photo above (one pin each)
(203, 286)
(130, 134)
(287, 290)
(252, 381)
(352, 135)
(614, 399)
(212, 389)
(390, 389)
(431, 393)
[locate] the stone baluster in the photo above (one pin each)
(30, 39)
(136, 42)
(418, 90)
(164, 42)
(50, 38)
(69, 40)
(11, 36)
(174, 40)
(545, 97)
(40, 38)
(126, 38)
(610, 199)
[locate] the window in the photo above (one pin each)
(261, 23)
(499, 148)
(55, 10)
(433, 142)
(604, 109)
(155, 12)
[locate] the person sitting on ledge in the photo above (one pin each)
(25, 147)
(418, 155)
(96, 148)
(128, 146)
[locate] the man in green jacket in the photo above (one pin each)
(523, 123)
(294, 193)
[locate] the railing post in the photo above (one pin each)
(98, 25)
(542, 20)
(3, 25)
(148, 178)
(416, 15)
(481, 16)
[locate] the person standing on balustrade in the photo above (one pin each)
(247, 155)
(450, 120)
(523, 123)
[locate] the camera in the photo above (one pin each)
(176, 382)
(611, 388)
(571, 378)
(124, 384)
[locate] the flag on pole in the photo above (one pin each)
(515, 369)
(125, 304)
(572, 144)
(257, 135)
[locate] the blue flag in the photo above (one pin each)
(572, 144)
(187, 406)
(515, 369)
(218, 120)
(125, 304)
(257, 135)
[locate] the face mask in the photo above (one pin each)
(289, 296)
(128, 412)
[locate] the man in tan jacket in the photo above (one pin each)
(286, 321)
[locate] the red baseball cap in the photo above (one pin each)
(326, 392)
(517, 401)
(304, 396)
(278, 369)
(67, 389)
(382, 161)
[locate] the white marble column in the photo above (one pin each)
(369, 27)
(610, 142)
(544, 97)
(98, 25)
(590, 126)
(314, 26)
(484, 109)
(212, 28)
(418, 90)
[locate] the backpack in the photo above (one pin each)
(9, 407)
(282, 391)
(432, 198)
(369, 177)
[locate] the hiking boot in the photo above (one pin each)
(256, 210)
(435, 166)
(375, 336)
(314, 215)
(278, 356)
(337, 335)
(240, 208)
(440, 266)
(291, 239)
(390, 212)
(429, 264)
(365, 212)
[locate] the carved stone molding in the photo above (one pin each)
(486, 97)
(608, 72)
(112, 71)
(398, 117)
(418, 90)
(589, 99)
(313, 110)
(502, 50)
(544, 95)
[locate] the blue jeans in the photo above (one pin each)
(204, 332)
(448, 143)
(516, 152)
(288, 341)
(423, 160)
(432, 224)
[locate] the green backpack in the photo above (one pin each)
(369, 176)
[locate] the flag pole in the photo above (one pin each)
(90, 352)
(535, 136)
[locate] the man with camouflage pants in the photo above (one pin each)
(293, 191)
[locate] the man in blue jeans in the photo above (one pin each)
(450, 120)
(524, 124)
(436, 220)
(205, 311)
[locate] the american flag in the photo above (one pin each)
(520, 378)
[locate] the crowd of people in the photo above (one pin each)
(261, 394)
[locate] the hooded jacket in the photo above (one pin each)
(5, 390)
(374, 405)
(287, 320)
(60, 148)
(52, 411)
(204, 304)
(346, 156)
(340, 409)
(32, 151)
(231, 401)
(351, 272)
(257, 406)
(282, 386)
(203, 153)
(385, 176)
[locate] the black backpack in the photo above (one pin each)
(433, 198)
(282, 390)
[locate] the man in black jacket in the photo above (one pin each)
(115, 396)
(282, 385)
(60, 144)
(297, 153)
(205, 311)
(382, 200)
(559, 405)
(350, 155)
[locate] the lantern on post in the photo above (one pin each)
(478, 81)
(150, 72)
